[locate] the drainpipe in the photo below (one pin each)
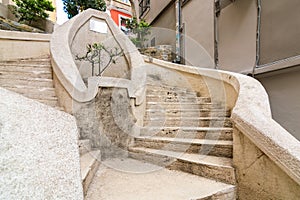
(217, 12)
(257, 37)
(178, 31)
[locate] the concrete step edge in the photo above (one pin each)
(186, 141)
(189, 128)
(28, 79)
(180, 156)
(212, 167)
(225, 194)
(89, 164)
(42, 88)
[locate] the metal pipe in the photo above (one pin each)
(257, 37)
(217, 11)
(178, 31)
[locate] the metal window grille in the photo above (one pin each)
(144, 5)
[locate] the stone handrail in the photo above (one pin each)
(68, 74)
(252, 116)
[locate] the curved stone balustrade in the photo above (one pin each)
(262, 149)
(68, 74)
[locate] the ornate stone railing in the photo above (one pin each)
(67, 72)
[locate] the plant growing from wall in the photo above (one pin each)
(96, 54)
(73, 7)
(140, 30)
(32, 10)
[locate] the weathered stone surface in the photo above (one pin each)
(107, 121)
(139, 180)
(162, 52)
(258, 177)
(117, 121)
(39, 156)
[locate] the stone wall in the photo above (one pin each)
(162, 52)
(108, 122)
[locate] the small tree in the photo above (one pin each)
(140, 30)
(73, 7)
(32, 10)
(96, 55)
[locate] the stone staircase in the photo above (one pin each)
(187, 132)
(33, 78)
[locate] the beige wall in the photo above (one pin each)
(17, 45)
(163, 29)
(280, 30)
(237, 26)
(258, 177)
(155, 9)
(283, 89)
(198, 42)
(120, 4)
(198, 19)
(84, 36)
(6, 1)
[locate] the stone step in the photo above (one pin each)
(165, 98)
(43, 91)
(32, 61)
(168, 88)
(220, 148)
(177, 93)
(28, 69)
(183, 105)
(84, 146)
(130, 179)
(33, 74)
(188, 121)
(40, 96)
(44, 64)
(59, 108)
(89, 164)
(187, 113)
(217, 168)
(226, 194)
(211, 133)
(52, 103)
(32, 82)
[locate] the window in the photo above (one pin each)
(125, 1)
(153, 42)
(144, 5)
(122, 23)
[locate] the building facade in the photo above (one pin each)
(119, 10)
(252, 37)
